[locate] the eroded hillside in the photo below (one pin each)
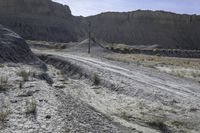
(50, 21)
(40, 20)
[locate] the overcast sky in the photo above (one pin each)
(93, 7)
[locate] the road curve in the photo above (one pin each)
(139, 81)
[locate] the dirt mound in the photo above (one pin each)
(96, 46)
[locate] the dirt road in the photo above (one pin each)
(163, 95)
(138, 81)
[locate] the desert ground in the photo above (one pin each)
(115, 71)
(115, 92)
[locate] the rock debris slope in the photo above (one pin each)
(13, 48)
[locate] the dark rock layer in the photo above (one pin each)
(14, 49)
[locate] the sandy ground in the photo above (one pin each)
(182, 67)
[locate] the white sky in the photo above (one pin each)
(93, 7)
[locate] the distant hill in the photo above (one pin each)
(50, 21)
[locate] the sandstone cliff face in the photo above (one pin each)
(14, 49)
(168, 30)
(50, 21)
(39, 20)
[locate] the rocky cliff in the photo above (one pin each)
(50, 21)
(40, 20)
(34, 7)
(167, 30)
(14, 49)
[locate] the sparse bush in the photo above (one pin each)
(193, 109)
(196, 74)
(24, 74)
(159, 125)
(3, 83)
(177, 123)
(58, 46)
(62, 72)
(95, 79)
(20, 85)
(4, 115)
(31, 108)
(125, 115)
(156, 124)
(63, 47)
(178, 73)
(1, 65)
(4, 80)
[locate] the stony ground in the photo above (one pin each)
(30, 105)
(94, 93)
(182, 67)
(135, 96)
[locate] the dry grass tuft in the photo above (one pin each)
(24, 74)
(31, 108)
(3, 84)
(95, 79)
(4, 115)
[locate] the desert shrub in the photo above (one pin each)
(1, 65)
(24, 74)
(20, 85)
(31, 108)
(4, 115)
(63, 47)
(195, 74)
(95, 79)
(124, 115)
(3, 83)
(193, 109)
(159, 125)
(178, 124)
(58, 46)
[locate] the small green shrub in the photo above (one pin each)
(193, 109)
(125, 115)
(177, 123)
(31, 108)
(3, 83)
(4, 115)
(20, 85)
(195, 74)
(95, 79)
(63, 47)
(159, 125)
(1, 65)
(24, 74)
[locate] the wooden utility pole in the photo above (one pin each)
(89, 37)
